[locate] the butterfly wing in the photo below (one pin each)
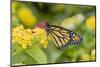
(63, 37)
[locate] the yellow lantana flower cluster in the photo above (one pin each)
(26, 16)
(42, 35)
(25, 36)
(90, 22)
(22, 36)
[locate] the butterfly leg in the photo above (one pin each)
(66, 45)
(62, 47)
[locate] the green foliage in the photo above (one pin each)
(31, 55)
(37, 54)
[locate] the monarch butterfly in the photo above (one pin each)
(62, 37)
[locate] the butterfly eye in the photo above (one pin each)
(47, 24)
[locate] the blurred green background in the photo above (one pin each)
(78, 18)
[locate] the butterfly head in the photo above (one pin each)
(45, 25)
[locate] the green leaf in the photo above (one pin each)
(52, 52)
(23, 58)
(16, 48)
(20, 56)
(37, 53)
